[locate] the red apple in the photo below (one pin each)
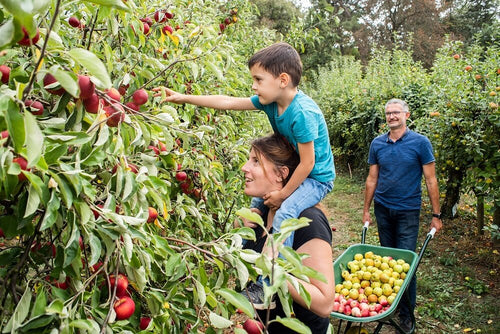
(4, 134)
(162, 16)
(96, 266)
(167, 28)
(35, 107)
(154, 149)
(2, 235)
(147, 20)
(162, 146)
(132, 107)
(228, 20)
(153, 214)
(5, 70)
(133, 168)
(181, 176)
(253, 326)
(92, 104)
(222, 27)
(468, 68)
(456, 56)
(26, 41)
(144, 323)
(140, 97)
(124, 308)
(49, 82)
(121, 284)
(87, 87)
(74, 22)
(113, 94)
(23, 164)
(145, 28)
(115, 114)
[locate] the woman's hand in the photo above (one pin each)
(169, 95)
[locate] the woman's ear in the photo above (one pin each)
(283, 172)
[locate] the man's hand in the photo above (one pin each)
(436, 223)
(248, 223)
(169, 95)
(274, 199)
(366, 217)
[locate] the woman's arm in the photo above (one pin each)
(322, 294)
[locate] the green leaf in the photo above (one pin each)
(20, 313)
(251, 216)
(40, 303)
(39, 186)
(92, 63)
(219, 322)
(294, 324)
(67, 194)
(95, 249)
(237, 300)
(33, 201)
(200, 290)
(111, 3)
(56, 306)
(34, 139)
(52, 212)
(70, 138)
(7, 33)
(37, 322)
(66, 80)
(242, 272)
(82, 324)
(15, 122)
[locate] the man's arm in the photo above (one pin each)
(433, 190)
(222, 102)
(304, 168)
(370, 186)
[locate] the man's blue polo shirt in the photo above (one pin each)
(399, 185)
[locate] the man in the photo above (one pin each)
(397, 160)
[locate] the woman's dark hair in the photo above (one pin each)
(278, 151)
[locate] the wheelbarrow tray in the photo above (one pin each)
(348, 255)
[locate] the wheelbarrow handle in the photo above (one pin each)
(430, 235)
(363, 233)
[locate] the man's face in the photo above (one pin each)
(395, 116)
(265, 85)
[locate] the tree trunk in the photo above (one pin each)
(480, 214)
(452, 193)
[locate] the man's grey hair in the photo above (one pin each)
(398, 101)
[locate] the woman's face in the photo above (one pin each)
(261, 177)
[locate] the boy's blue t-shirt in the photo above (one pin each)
(303, 122)
(399, 183)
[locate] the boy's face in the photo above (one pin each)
(265, 85)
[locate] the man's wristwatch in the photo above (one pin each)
(437, 215)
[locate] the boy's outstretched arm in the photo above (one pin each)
(304, 168)
(209, 101)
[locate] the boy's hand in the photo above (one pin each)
(274, 199)
(248, 223)
(169, 95)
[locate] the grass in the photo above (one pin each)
(458, 285)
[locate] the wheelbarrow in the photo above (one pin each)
(386, 317)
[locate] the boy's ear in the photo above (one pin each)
(284, 79)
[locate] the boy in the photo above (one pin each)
(276, 72)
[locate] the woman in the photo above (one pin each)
(271, 163)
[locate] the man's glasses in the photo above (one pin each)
(393, 113)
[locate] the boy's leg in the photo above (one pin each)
(308, 194)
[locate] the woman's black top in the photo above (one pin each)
(318, 228)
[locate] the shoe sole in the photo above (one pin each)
(263, 307)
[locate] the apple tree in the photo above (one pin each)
(117, 209)
(463, 123)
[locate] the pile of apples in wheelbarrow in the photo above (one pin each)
(370, 284)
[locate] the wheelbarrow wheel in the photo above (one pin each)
(357, 330)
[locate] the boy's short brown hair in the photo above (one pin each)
(279, 58)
